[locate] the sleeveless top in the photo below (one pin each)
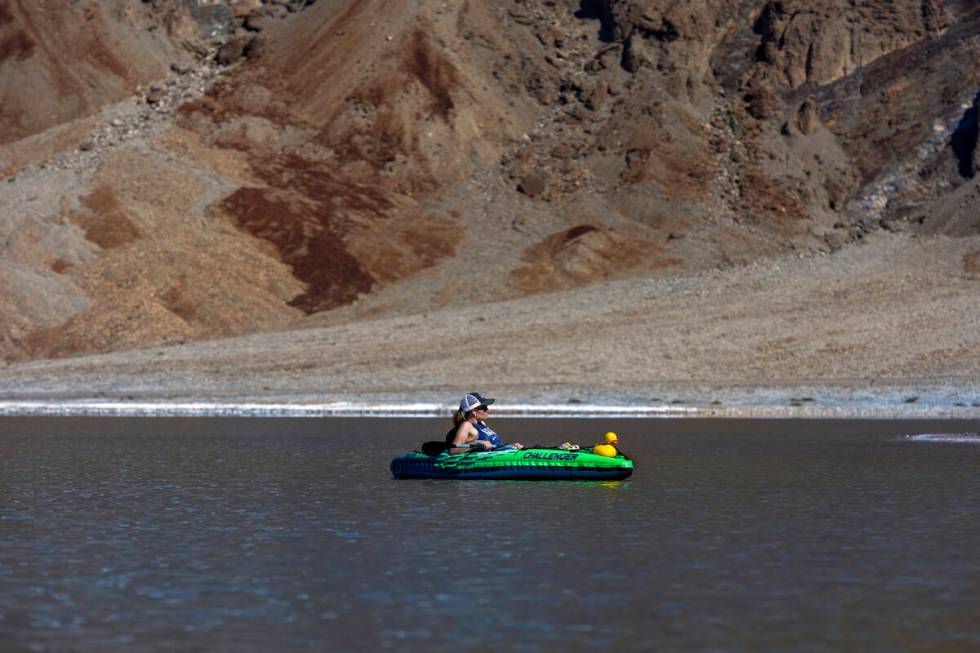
(484, 432)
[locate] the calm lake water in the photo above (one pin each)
(238, 535)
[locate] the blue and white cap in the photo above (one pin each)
(473, 401)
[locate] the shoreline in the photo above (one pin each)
(822, 406)
(843, 336)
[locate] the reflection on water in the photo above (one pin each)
(962, 438)
(257, 535)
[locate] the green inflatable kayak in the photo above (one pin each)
(514, 464)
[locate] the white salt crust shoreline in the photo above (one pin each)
(834, 408)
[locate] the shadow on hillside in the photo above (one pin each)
(598, 10)
(964, 140)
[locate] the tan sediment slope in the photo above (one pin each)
(64, 60)
(899, 314)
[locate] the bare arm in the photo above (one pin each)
(467, 435)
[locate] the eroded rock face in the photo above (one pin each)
(809, 42)
(71, 59)
(674, 38)
(359, 146)
(77, 57)
(808, 116)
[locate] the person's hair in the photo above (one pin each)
(458, 418)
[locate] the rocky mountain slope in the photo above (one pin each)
(209, 169)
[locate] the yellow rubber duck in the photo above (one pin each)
(608, 447)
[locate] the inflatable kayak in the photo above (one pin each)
(514, 464)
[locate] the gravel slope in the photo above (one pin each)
(893, 322)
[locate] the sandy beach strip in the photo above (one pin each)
(889, 329)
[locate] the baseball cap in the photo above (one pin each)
(472, 401)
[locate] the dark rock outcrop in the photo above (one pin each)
(964, 141)
(976, 131)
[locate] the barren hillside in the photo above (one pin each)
(184, 170)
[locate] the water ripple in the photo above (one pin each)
(960, 438)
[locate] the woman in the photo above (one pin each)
(470, 430)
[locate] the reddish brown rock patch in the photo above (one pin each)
(395, 249)
(436, 73)
(340, 237)
(105, 59)
(971, 263)
(221, 105)
(534, 184)
(769, 200)
(16, 44)
(306, 213)
(125, 323)
(177, 301)
(105, 222)
(683, 174)
(582, 255)
(305, 237)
